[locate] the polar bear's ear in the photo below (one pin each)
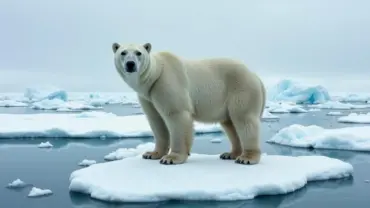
(148, 47)
(115, 47)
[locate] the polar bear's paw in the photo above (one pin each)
(249, 157)
(229, 155)
(173, 158)
(152, 155)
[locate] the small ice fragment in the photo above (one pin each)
(18, 183)
(86, 162)
(36, 192)
(216, 140)
(45, 145)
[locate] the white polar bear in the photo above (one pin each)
(174, 92)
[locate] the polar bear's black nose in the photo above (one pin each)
(130, 66)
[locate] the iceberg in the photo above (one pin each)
(288, 90)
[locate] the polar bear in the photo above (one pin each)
(174, 92)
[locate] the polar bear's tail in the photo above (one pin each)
(263, 89)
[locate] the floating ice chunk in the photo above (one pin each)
(288, 90)
(127, 180)
(37, 192)
(12, 103)
(355, 97)
(349, 138)
(84, 125)
(45, 145)
(314, 109)
(18, 183)
(340, 106)
(216, 140)
(60, 105)
(86, 162)
(130, 152)
(267, 115)
(355, 118)
(285, 108)
(334, 113)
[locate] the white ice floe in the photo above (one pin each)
(268, 116)
(60, 105)
(314, 109)
(46, 144)
(18, 183)
(122, 153)
(86, 162)
(355, 118)
(285, 107)
(340, 106)
(12, 103)
(102, 124)
(216, 140)
(37, 192)
(349, 138)
(334, 113)
(134, 179)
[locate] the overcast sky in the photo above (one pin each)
(67, 43)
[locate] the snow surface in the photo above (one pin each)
(348, 138)
(17, 183)
(82, 125)
(355, 118)
(46, 144)
(134, 179)
(334, 113)
(37, 192)
(86, 162)
(289, 90)
(122, 153)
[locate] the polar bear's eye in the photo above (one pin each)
(123, 53)
(138, 53)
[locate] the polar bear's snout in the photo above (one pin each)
(131, 66)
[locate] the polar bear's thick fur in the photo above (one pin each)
(174, 92)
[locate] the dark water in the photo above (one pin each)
(51, 168)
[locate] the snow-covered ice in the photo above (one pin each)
(340, 106)
(37, 192)
(355, 118)
(348, 138)
(122, 153)
(334, 113)
(82, 125)
(289, 90)
(60, 105)
(12, 103)
(86, 162)
(284, 107)
(46, 144)
(17, 183)
(216, 140)
(127, 180)
(268, 116)
(45, 93)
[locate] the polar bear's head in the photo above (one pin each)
(132, 58)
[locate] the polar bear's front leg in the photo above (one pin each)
(159, 129)
(180, 127)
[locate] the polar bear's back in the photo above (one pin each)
(212, 82)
